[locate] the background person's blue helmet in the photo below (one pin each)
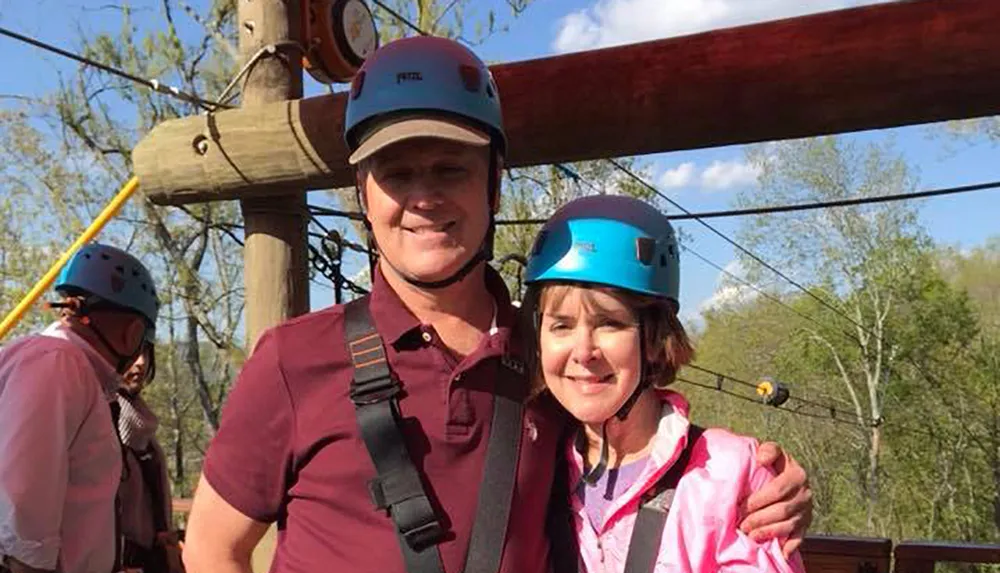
(112, 275)
(422, 86)
(608, 240)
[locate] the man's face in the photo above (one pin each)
(125, 331)
(426, 200)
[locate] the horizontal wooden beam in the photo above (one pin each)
(888, 65)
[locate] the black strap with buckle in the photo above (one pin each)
(644, 544)
(398, 486)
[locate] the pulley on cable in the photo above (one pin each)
(338, 36)
(772, 392)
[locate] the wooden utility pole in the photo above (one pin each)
(276, 253)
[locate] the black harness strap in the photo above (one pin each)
(644, 545)
(496, 491)
(398, 486)
(560, 524)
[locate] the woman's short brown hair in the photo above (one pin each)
(666, 344)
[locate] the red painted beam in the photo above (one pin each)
(893, 64)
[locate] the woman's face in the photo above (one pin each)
(135, 378)
(589, 343)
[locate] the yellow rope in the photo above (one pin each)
(12, 318)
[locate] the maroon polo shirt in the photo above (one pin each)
(289, 449)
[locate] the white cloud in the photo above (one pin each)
(726, 291)
(614, 22)
(722, 175)
(680, 176)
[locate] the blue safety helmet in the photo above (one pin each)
(608, 240)
(113, 276)
(422, 86)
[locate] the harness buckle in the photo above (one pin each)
(424, 535)
(374, 391)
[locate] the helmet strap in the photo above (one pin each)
(592, 474)
(124, 360)
(644, 381)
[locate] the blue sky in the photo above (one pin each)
(700, 180)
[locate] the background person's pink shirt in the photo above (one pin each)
(60, 461)
(701, 534)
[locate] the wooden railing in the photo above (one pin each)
(921, 556)
(835, 554)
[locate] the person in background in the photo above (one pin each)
(60, 458)
(149, 541)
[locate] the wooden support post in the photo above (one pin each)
(276, 252)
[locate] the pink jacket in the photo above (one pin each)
(701, 533)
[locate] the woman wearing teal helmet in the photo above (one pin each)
(649, 490)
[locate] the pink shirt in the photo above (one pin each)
(60, 463)
(701, 533)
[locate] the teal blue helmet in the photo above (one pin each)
(422, 86)
(112, 275)
(608, 240)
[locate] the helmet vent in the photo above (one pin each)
(471, 78)
(663, 260)
(644, 247)
(120, 269)
(105, 257)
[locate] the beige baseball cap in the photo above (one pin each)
(413, 127)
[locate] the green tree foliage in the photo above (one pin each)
(907, 360)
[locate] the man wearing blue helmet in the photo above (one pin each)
(392, 434)
(60, 458)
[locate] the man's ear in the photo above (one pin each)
(360, 178)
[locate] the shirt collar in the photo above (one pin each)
(394, 319)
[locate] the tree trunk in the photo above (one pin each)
(873, 466)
